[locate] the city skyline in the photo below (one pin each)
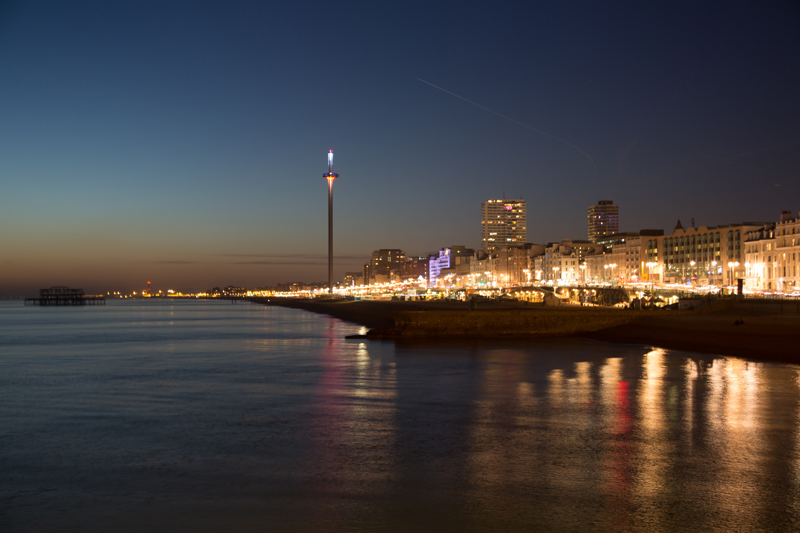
(181, 143)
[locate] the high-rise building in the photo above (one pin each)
(504, 223)
(384, 263)
(603, 219)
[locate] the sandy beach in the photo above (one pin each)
(736, 329)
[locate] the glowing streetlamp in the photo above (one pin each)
(612, 266)
(732, 265)
(650, 266)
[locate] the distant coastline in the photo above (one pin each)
(731, 329)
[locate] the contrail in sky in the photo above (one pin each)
(515, 122)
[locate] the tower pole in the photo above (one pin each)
(330, 176)
(330, 236)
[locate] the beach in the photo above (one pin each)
(741, 329)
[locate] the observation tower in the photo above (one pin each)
(330, 176)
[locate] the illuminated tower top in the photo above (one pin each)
(330, 175)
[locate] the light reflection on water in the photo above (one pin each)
(206, 416)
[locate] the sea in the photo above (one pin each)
(189, 415)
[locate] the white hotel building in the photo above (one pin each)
(772, 254)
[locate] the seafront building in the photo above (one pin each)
(787, 248)
(706, 255)
(620, 257)
(765, 255)
(511, 264)
(414, 268)
(503, 223)
(560, 261)
(772, 254)
(452, 261)
(760, 253)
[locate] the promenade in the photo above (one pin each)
(769, 332)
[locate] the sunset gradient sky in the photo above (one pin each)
(185, 142)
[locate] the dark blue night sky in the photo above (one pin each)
(185, 142)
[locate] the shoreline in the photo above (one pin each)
(731, 329)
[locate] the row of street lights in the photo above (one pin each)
(731, 266)
(612, 266)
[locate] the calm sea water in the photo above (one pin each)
(207, 416)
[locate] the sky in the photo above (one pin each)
(184, 143)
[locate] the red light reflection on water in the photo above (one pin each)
(619, 465)
(329, 413)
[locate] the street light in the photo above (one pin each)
(612, 266)
(732, 265)
(650, 266)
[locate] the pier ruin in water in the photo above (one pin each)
(64, 296)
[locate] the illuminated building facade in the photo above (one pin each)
(481, 269)
(503, 223)
(448, 261)
(760, 255)
(787, 252)
(772, 254)
(414, 268)
(560, 261)
(603, 219)
(511, 264)
(626, 251)
(704, 255)
(505, 266)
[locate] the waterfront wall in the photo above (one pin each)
(542, 322)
